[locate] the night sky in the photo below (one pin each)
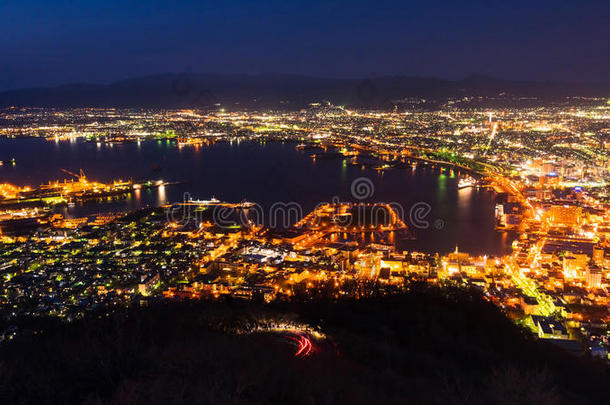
(54, 42)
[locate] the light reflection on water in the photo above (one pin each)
(264, 173)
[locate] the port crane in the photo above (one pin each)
(80, 177)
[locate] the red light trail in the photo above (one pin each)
(304, 344)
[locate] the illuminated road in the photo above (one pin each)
(529, 287)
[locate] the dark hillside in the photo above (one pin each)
(427, 346)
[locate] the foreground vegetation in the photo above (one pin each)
(426, 346)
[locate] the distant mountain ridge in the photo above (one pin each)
(270, 90)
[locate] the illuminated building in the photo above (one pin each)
(565, 215)
(574, 265)
(593, 277)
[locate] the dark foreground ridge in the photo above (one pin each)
(426, 346)
(192, 90)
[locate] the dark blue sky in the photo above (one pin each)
(56, 42)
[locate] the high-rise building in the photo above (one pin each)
(565, 215)
(598, 255)
(593, 277)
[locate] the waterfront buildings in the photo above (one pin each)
(548, 167)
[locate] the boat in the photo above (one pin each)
(204, 202)
(466, 183)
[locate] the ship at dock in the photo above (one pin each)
(216, 202)
(78, 189)
(466, 183)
